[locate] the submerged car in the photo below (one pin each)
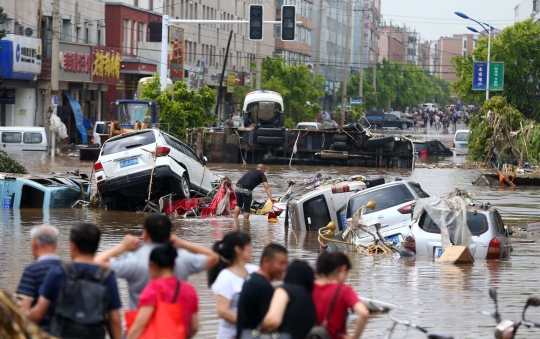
(431, 147)
(461, 141)
(489, 237)
(394, 206)
(127, 163)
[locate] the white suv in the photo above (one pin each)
(126, 163)
(490, 239)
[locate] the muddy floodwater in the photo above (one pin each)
(446, 299)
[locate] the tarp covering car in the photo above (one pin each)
(449, 212)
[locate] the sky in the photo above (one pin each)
(436, 18)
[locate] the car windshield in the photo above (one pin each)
(478, 223)
(127, 142)
(384, 198)
(462, 136)
(129, 113)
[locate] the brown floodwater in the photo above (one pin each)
(448, 299)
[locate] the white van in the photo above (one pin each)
(23, 139)
(430, 107)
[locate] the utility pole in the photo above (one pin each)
(404, 43)
(55, 55)
(376, 24)
(390, 43)
(319, 44)
(361, 79)
(346, 63)
(258, 62)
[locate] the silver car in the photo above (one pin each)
(394, 205)
(490, 239)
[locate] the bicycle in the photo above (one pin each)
(409, 324)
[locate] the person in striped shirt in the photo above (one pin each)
(44, 242)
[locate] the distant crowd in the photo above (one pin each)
(80, 299)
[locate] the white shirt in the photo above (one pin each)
(229, 285)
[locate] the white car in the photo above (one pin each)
(126, 164)
(101, 128)
(310, 125)
(461, 138)
(394, 204)
(490, 239)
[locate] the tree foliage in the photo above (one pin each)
(188, 108)
(399, 88)
(518, 46)
(10, 165)
(296, 84)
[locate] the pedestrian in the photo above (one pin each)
(244, 189)
(292, 309)
(437, 122)
(44, 240)
(227, 278)
(257, 291)
(133, 267)
(170, 289)
(333, 298)
(80, 287)
(415, 123)
(431, 115)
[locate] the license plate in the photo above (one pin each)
(437, 252)
(393, 238)
(463, 145)
(129, 162)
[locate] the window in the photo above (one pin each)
(277, 31)
(418, 190)
(89, 34)
(316, 214)
(464, 54)
(129, 141)
(465, 44)
(462, 136)
(477, 223)
(142, 32)
(11, 137)
(125, 38)
(385, 198)
(66, 30)
(79, 35)
(33, 138)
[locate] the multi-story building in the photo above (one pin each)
(370, 10)
(299, 50)
(444, 49)
(527, 9)
(81, 33)
(424, 54)
(399, 44)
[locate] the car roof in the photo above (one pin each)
(388, 184)
(131, 133)
(463, 130)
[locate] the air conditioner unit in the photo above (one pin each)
(28, 31)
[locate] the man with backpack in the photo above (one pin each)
(84, 296)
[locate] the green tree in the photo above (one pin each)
(188, 109)
(3, 17)
(518, 46)
(296, 84)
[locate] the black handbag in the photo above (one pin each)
(320, 331)
(257, 334)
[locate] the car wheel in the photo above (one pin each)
(184, 191)
(404, 125)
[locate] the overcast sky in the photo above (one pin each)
(436, 18)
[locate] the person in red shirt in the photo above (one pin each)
(162, 261)
(332, 270)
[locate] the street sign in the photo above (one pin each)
(356, 101)
(479, 80)
(348, 105)
(55, 100)
(496, 76)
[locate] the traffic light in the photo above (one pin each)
(288, 23)
(256, 17)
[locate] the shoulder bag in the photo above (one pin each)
(320, 331)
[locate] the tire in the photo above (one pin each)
(340, 146)
(378, 142)
(404, 125)
(247, 118)
(340, 137)
(270, 140)
(183, 189)
(270, 132)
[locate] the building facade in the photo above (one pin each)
(299, 50)
(399, 44)
(369, 29)
(444, 49)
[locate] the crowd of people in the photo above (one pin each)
(440, 120)
(80, 299)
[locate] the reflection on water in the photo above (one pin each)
(443, 298)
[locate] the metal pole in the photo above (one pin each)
(220, 91)
(488, 61)
(346, 64)
(55, 65)
(319, 35)
(258, 63)
(361, 79)
(164, 51)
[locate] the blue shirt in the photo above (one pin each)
(55, 279)
(31, 280)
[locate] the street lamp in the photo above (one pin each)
(488, 31)
(474, 30)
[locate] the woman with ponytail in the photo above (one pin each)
(165, 287)
(227, 278)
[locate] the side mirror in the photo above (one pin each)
(371, 205)
(204, 160)
(493, 293)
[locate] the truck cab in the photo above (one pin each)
(130, 111)
(264, 109)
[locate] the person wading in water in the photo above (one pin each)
(244, 189)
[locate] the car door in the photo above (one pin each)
(12, 142)
(33, 141)
(186, 157)
(390, 120)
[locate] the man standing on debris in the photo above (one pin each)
(244, 189)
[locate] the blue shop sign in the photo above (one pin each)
(6, 63)
(7, 96)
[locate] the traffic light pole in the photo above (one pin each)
(166, 21)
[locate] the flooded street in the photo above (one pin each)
(446, 299)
